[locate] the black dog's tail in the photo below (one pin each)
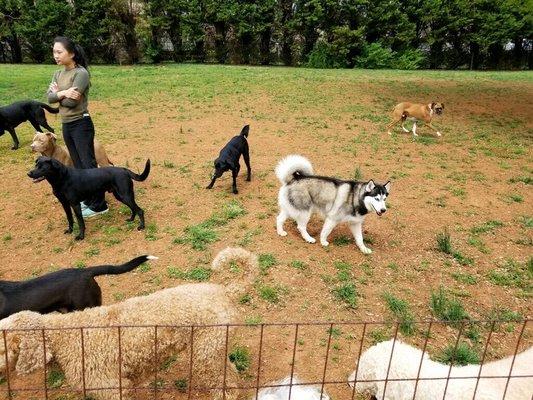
(144, 175)
(119, 269)
(245, 131)
(49, 109)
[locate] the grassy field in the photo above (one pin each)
(455, 245)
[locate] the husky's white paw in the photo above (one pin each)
(415, 134)
(365, 250)
(390, 133)
(310, 239)
(282, 233)
(439, 134)
(324, 243)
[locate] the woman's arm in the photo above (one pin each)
(72, 96)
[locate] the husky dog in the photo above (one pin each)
(337, 200)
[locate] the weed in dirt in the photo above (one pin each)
(200, 235)
(512, 273)
(271, 294)
(464, 278)
(253, 320)
(528, 180)
(513, 198)
(240, 357)
(119, 296)
(478, 243)
(444, 242)
(358, 174)
(181, 385)
(379, 335)
(55, 378)
(266, 261)
(400, 309)
(464, 354)
(198, 274)
(341, 240)
(526, 221)
(446, 308)
(488, 226)
(92, 252)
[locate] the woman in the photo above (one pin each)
(70, 88)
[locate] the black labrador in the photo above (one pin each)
(229, 156)
(28, 110)
(71, 186)
(69, 289)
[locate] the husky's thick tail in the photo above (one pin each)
(119, 269)
(241, 262)
(144, 175)
(291, 165)
(245, 131)
(49, 109)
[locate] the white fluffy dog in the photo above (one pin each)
(299, 392)
(405, 364)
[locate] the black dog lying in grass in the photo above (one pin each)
(228, 158)
(69, 289)
(71, 186)
(28, 110)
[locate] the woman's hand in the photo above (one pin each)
(53, 87)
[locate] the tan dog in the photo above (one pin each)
(415, 112)
(45, 143)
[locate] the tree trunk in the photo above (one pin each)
(264, 46)
(14, 43)
(221, 50)
(174, 31)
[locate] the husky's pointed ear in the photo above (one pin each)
(442, 105)
(387, 187)
(370, 185)
(433, 105)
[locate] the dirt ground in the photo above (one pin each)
(460, 181)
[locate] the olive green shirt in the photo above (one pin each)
(69, 109)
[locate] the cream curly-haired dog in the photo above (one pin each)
(405, 363)
(184, 305)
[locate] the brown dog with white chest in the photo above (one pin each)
(415, 112)
(45, 143)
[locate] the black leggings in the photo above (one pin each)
(79, 138)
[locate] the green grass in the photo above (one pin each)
(488, 226)
(515, 274)
(240, 357)
(464, 278)
(266, 261)
(444, 242)
(447, 308)
(528, 180)
(462, 355)
(198, 274)
(401, 310)
(55, 378)
(204, 233)
(271, 294)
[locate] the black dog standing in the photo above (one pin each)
(28, 110)
(229, 156)
(71, 186)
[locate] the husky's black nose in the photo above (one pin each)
(383, 211)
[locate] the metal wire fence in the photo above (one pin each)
(163, 362)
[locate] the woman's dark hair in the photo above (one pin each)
(69, 45)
